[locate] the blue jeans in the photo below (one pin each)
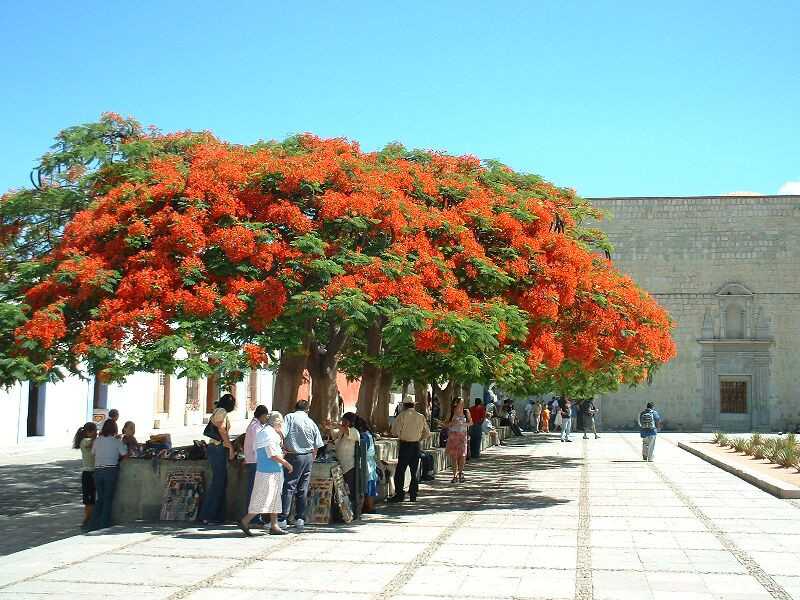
(566, 426)
(213, 508)
(475, 440)
(105, 480)
(295, 484)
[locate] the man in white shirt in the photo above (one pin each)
(301, 439)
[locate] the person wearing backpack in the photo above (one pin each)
(649, 422)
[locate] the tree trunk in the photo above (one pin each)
(421, 399)
(466, 388)
(324, 391)
(287, 382)
(380, 416)
(446, 395)
(323, 365)
(404, 393)
(370, 374)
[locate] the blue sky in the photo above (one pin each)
(611, 98)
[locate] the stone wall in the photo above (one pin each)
(684, 251)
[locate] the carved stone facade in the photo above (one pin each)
(728, 270)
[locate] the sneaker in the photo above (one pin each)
(299, 524)
(282, 524)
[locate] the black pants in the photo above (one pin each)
(475, 439)
(407, 457)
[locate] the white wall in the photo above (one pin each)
(68, 405)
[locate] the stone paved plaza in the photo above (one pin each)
(536, 519)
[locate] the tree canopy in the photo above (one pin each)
(182, 253)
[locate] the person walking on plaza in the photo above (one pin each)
(478, 414)
(588, 409)
(258, 422)
(219, 452)
(107, 451)
(268, 484)
(301, 440)
(544, 423)
(565, 412)
(83, 441)
(649, 421)
(536, 415)
(411, 428)
(458, 420)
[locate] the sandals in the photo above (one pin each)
(454, 479)
(461, 477)
(245, 529)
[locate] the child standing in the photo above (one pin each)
(83, 441)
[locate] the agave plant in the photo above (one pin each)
(787, 455)
(719, 436)
(772, 446)
(760, 451)
(739, 444)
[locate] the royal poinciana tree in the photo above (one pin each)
(181, 253)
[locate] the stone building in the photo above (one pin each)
(728, 270)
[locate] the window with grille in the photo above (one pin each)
(733, 396)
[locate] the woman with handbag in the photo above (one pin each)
(458, 420)
(219, 452)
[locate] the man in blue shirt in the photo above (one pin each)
(301, 439)
(649, 422)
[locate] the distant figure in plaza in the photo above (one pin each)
(536, 415)
(107, 451)
(528, 410)
(458, 420)
(268, 484)
(368, 441)
(259, 420)
(574, 416)
(478, 414)
(113, 415)
(219, 452)
(553, 412)
(544, 423)
(129, 436)
(345, 436)
(487, 427)
(649, 421)
(565, 412)
(301, 440)
(83, 441)
(588, 409)
(411, 428)
(436, 410)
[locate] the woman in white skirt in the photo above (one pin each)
(268, 484)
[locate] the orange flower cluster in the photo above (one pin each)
(219, 233)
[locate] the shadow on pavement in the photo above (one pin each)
(41, 503)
